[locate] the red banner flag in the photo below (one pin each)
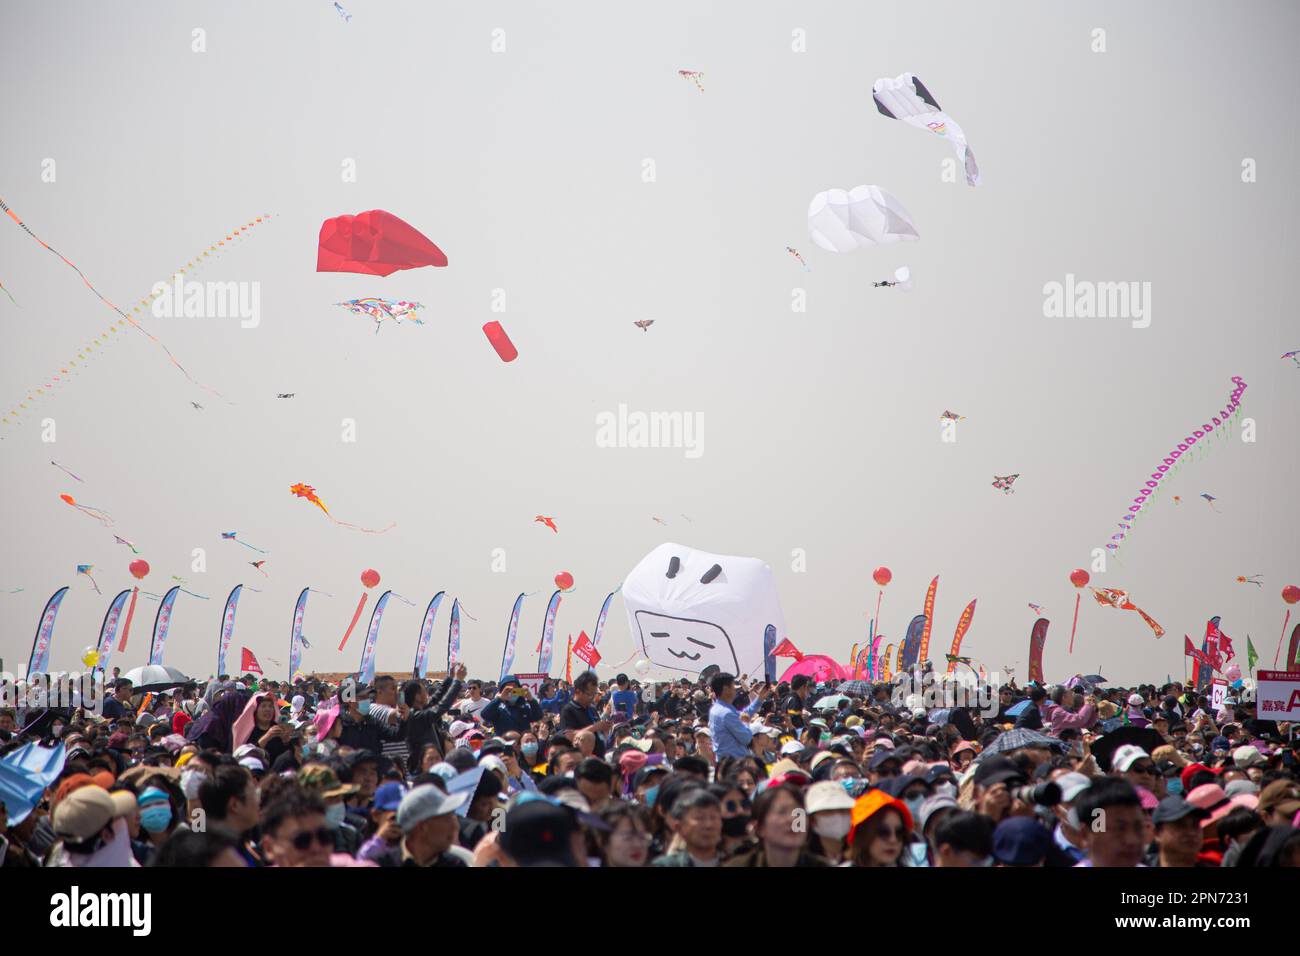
(248, 662)
(585, 650)
(1189, 650)
(786, 649)
(924, 653)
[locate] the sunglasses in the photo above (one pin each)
(887, 833)
(324, 836)
(1144, 769)
(733, 807)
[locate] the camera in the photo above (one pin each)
(1038, 794)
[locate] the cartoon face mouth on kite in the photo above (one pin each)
(684, 644)
(689, 610)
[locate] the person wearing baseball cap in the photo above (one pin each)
(385, 846)
(1135, 765)
(1020, 842)
(92, 824)
(994, 777)
(830, 815)
(1178, 832)
(430, 827)
(1279, 802)
(542, 832)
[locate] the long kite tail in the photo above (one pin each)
(356, 527)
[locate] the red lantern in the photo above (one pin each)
(564, 580)
(139, 568)
(370, 577)
(1291, 594)
(882, 576)
(1079, 578)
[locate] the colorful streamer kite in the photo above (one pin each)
(948, 416)
(258, 565)
(86, 569)
(1251, 579)
(105, 337)
(99, 514)
(308, 492)
(644, 324)
(1112, 597)
(381, 310)
(1293, 356)
(549, 522)
(230, 536)
(120, 540)
(695, 76)
(1036, 609)
(347, 18)
(1003, 483)
(1221, 420)
(795, 252)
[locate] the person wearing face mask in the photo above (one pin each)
(157, 819)
(530, 755)
(735, 816)
(92, 826)
(830, 815)
(319, 779)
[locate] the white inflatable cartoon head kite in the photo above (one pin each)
(689, 609)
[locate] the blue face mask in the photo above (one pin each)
(156, 819)
(529, 751)
(651, 795)
(364, 707)
(335, 813)
(1174, 786)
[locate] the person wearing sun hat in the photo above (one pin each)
(880, 829)
(319, 779)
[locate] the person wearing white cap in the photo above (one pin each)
(92, 825)
(830, 813)
(430, 826)
(1068, 834)
(1135, 765)
(760, 744)
(1248, 758)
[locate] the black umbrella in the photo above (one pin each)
(1020, 737)
(856, 688)
(1104, 748)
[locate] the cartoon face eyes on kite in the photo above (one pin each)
(683, 644)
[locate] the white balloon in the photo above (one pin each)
(840, 221)
(903, 279)
(642, 667)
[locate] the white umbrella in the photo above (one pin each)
(155, 677)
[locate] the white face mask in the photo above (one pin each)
(191, 780)
(946, 790)
(833, 826)
(334, 815)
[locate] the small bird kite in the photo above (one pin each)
(121, 540)
(86, 569)
(1293, 356)
(284, 395)
(549, 522)
(230, 536)
(1211, 499)
(197, 406)
(1250, 579)
(948, 416)
(258, 565)
(65, 471)
(1036, 609)
(347, 17)
(308, 492)
(1003, 483)
(644, 324)
(694, 76)
(660, 520)
(1178, 499)
(795, 252)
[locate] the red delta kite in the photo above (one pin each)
(374, 243)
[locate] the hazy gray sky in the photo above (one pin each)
(821, 428)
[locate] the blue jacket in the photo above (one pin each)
(518, 715)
